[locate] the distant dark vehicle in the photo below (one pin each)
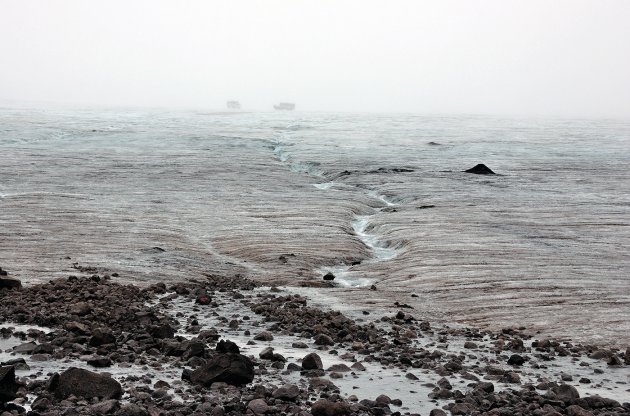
(285, 106)
(233, 105)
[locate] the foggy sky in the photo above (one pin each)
(495, 57)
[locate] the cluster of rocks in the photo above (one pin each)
(100, 322)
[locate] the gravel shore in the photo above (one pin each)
(226, 345)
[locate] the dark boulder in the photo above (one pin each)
(325, 407)
(26, 348)
(106, 407)
(264, 336)
(162, 331)
(597, 402)
(203, 299)
(516, 360)
(287, 392)
(564, 392)
(77, 327)
(230, 368)
(257, 407)
(100, 362)
(8, 386)
(9, 282)
(193, 348)
(323, 339)
(225, 346)
(101, 336)
(484, 386)
(80, 308)
(266, 354)
(575, 410)
(131, 409)
(312, 362)
(84, 383)
(329, 276)
(480, 169)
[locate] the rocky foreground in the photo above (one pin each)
(90, 346)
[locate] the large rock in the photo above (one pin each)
(102, 336)
(162, 331)
(230, 368)
(312, 362)
(226, 346)
(329, 276)
(578, 411)
(258, 407)
(288, 392)
(480, 169)
(80, 308)
(8, 386)
(563, 392)
(325, 407)
(9, 283)
(84, 383)
(323, 339)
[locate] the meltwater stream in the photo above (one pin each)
(380, 251)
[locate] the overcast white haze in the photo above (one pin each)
(565, 58)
